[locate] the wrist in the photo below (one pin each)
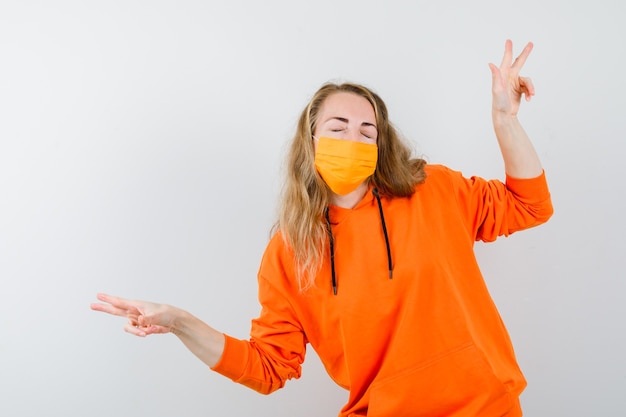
(501, 118)
(180, 320)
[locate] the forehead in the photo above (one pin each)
(347, 105)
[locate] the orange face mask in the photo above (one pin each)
(345, 164)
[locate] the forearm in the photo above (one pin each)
(520, 158)
(200, 338)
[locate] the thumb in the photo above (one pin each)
(497, 81)
(145, 321)
(152, 315)
(495, 71)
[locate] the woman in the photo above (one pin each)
(372, 263)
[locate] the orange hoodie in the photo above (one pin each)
(427, 342)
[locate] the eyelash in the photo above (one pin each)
(339, 130)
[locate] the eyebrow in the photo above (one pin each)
(344, 120)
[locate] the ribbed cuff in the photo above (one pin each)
(534, 188)
(234, 358)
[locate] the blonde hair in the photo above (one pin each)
(305, 195)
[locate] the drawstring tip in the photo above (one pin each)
(390, 274)
(334, 290)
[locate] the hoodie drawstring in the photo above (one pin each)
(331, 240)
(332, 251)
(382, 221)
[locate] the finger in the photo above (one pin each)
(527, 83)
(134, 330)
(156, 330)
(115, 301)
(521, 59)
(508, 54)
(116, 306)
(107, 308)
(527, 87)
(135, 327)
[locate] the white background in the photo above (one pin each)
(141, 146)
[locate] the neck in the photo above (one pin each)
(351, 199)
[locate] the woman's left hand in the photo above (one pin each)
(507, 85)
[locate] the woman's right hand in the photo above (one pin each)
(144, 318)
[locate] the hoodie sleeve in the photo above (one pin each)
(493, 208)
(277, 345)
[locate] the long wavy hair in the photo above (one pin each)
(305, 195)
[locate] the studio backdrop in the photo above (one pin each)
(141, 155)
